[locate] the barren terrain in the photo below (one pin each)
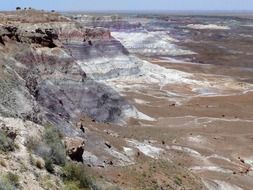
(141, 101)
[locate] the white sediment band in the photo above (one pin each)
(208, 27)
(155, 43)
(146, 149)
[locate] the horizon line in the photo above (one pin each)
(141, 10)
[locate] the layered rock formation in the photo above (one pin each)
(43, 76)
(65, 82)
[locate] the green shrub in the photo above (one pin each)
(6, 185)
(6, 143)
(32, 143)
(50, 148)
(13, 178)
(75, 177)
(71, 186)
(9, 182)
(51, 135)
(178, 180)
(49, 165)
(57, 152)
(48, 183)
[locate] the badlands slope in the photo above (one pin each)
(182, 74)
(138, 102)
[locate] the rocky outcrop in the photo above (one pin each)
(42, 37)
(75, 148)
(79, 34)
(92, 160)
(96, 34)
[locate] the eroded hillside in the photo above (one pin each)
(111, 102)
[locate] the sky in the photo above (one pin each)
(148, 5)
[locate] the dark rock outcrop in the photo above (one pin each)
(45, 37)
(75, 149)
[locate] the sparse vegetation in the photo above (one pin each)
(74, 173)
(50, 148)
(50, 184)
(57, 153)
(9, 182)
(72, 185)
(75, 177)
(5, 184)
(18, 8)
(114, 188)
(6, 143)
(39, 164)
(13, 178)
(178, 180)
(32, 143)
(49, 165)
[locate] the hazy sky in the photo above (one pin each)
(129, 4)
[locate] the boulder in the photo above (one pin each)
(75, 148)
(92, 160)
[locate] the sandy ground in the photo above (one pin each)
(208, 135)
(199, 122)
(195, 110)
